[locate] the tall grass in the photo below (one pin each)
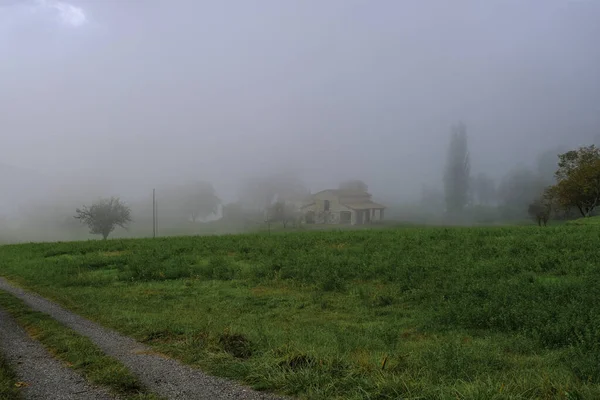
(505, 312)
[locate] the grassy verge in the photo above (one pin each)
(74, 350)
(435, 313)
(592, 221)
(8, 382)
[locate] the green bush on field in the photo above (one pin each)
(219, 268)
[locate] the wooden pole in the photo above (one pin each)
(153, 213)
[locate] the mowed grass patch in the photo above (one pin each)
(9, 387)
(76, 351)
(490, 313)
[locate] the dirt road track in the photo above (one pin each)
(45, 377)
(164, 376)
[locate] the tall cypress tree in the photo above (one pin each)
(458, 170)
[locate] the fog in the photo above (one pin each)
(114, 97)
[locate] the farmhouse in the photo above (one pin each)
(342, 206)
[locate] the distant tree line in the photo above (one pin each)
(564, 184)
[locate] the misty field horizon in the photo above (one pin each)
(106, 99)
(465, 197)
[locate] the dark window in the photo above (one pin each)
(326, 205)
(345, 217)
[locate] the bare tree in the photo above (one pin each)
(283, 212)
(104, 216)
(540, 210)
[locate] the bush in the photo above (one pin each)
(218, 268)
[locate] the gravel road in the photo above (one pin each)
(46, 377)
(164, 376)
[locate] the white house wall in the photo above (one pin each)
(335, 208)
(334, 213)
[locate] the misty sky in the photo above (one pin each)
(337, 89)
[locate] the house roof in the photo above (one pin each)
(367, 205)
(353, 199)
(345, 192)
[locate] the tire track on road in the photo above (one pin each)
(164, 376)
(45, 377)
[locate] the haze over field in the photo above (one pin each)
(127, 95)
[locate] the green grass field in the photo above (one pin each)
(416, 313)
(8, 382)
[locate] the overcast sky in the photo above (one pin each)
(218, 90)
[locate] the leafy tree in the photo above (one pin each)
(199, 200)
(261, 193)
(458, 169)
(189, 201)
(578, 179)
(104, 216)
(354, 185)
(257, 194)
